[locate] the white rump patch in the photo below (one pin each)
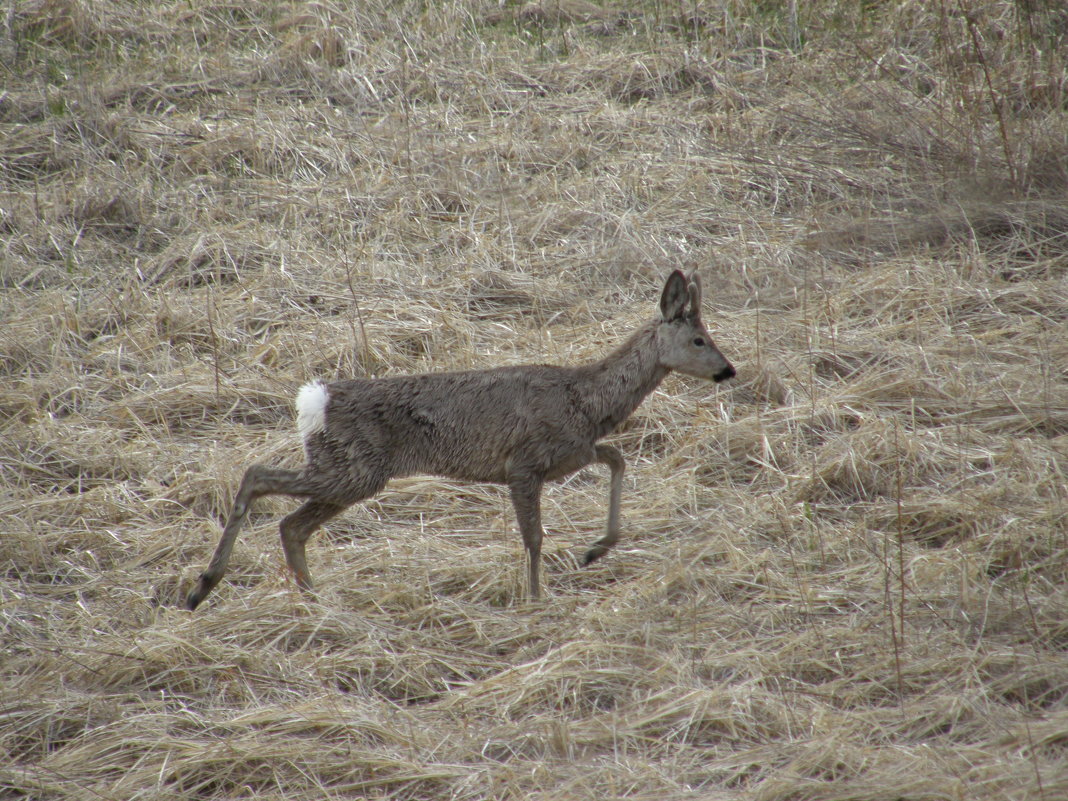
(311, 408)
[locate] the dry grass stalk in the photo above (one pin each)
(492, 190)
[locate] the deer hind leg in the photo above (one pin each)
(297, 527)
(526, 498)
(608, 455)
(259, 480)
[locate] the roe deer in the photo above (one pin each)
(518, 426)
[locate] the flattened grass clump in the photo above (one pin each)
(841, 574)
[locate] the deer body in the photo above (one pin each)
(519, 426)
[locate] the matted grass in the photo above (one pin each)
(842, 574)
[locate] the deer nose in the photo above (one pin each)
(724, 374)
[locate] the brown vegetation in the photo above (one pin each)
(841, 577)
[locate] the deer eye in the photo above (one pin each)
(698, 341)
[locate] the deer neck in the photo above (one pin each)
(618, 383)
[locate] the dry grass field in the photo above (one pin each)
(843, 575)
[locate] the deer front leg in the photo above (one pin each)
(608, 455)
(526, 498)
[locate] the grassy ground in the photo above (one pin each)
(843, 574)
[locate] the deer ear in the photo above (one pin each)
(675, 296)
(695, 296)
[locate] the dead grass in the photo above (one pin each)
(842, 576)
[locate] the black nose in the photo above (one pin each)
(724, 374)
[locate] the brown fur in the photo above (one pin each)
(518, 426)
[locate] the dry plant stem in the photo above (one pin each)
(359, 318)
(214, 342)
(514, 195)
(895, 639)
(900, 530)
(995, 99)
(899, 639)
(1034, 761)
